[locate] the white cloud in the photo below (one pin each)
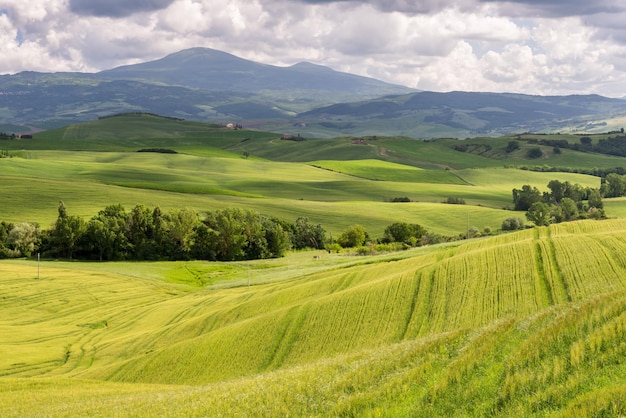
(471, 45)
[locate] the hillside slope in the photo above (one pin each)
(525, 323)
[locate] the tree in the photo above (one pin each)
(24, 238)
(229, 236)
(539, 214)
(308, 235)
(614, 185)
(595, 199)
(354, 236)
(524, 198)
(534, 153)
(107, 232)
(68, 231)
(277, 238)
(557, 190)
(140, 233)
(570, 210)
(403, 232)
(181, 226)
(512, 146)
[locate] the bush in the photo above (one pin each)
(512, 224)
(454, 201)
(534, 153)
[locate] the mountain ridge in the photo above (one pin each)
(306, 98)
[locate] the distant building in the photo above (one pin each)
(26, 136)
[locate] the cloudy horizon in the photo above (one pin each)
(520, 46)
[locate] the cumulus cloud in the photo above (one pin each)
(116, 8)
(558, 8)
(530, 46)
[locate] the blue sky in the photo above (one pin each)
(526, 46)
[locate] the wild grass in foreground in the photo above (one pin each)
(530, 324)
(565, 361)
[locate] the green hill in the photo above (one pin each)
(529, 323)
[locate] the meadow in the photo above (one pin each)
(506, 325)
(336, 183)
(528, 323)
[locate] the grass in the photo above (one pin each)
(468, 328)
(529, 323)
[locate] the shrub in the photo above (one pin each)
(512, 224)
(534, 153)
(454, 201)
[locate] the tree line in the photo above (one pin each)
(615, 145)
(563, 202)
(145, 234)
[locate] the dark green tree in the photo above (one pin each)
(181, 225)
(308, 235)
(569, 208)
(539, 214)
(403, 232)
(512, 224)
(524, 198)
(229, 234)
(67, 232)
(107, 232)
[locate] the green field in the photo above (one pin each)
(530, 323)
(335, 182)
(508, 325)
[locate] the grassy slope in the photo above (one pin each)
(356, 179)
(526, 323)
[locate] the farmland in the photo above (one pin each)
(320, 179)
(527, 323)
(509, 324)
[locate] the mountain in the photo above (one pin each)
(198, 83)
(469, 113)
(212, 70)
(308, 99)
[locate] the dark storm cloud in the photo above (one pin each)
(116, 8)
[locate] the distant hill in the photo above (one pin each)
(212, 70)
(312, 100)
(199, 83)
(471, 113)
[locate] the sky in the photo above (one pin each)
(547, 47)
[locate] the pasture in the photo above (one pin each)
(507, 325)
(332, 182)
(529, 323)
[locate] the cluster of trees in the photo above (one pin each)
(613, 185)
(6, 136)
(397, 236)
(612, 146)
(144, 234)
(222, 235)
(563, 202)
(454, 201)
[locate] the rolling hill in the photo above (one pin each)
(530, 323)
(203, 84)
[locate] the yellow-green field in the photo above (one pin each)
(88, 181)
(531, 323)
